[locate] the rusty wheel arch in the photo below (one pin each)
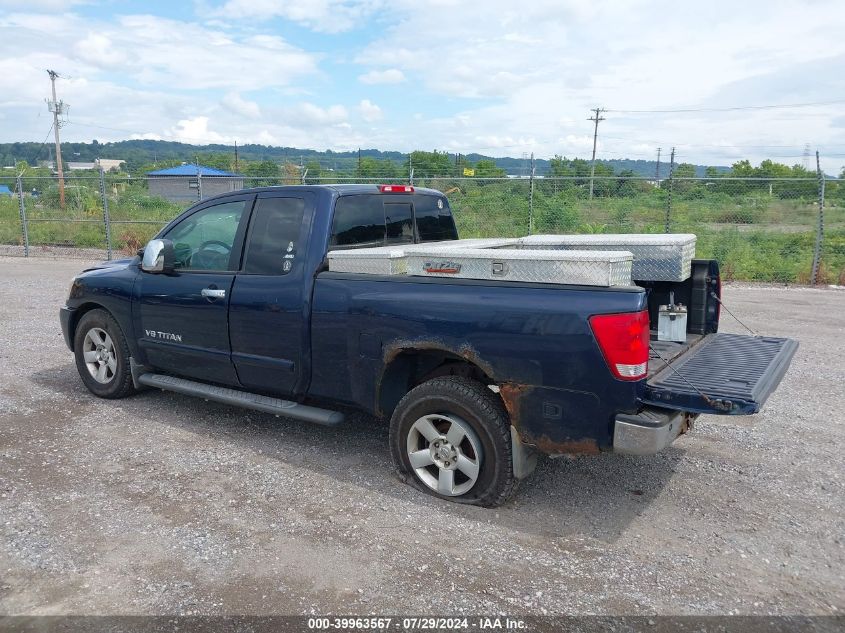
(409, 363)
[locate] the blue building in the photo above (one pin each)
(182, 183)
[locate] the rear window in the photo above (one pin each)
(379, 219)
(358, 221)
(399, 223)
(434, 219)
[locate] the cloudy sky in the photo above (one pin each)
(497, 77)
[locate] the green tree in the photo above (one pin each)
(313, 171)
(575, 172)
(373, 168)
(683, 187)
(487, 169)
(428, 164)
(742, 169)
(261, 174)
(218, 160)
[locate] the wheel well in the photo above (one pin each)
(79, 313)
(413, 367)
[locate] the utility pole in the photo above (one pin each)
(57, 108)
(596, 119)
(657, 170)
(236, 157)
(669, 196)
(817, 251)
(531, 198)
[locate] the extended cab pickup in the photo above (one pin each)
(233, 302)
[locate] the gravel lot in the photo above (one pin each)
(162, 504)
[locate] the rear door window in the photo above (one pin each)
(274, 236)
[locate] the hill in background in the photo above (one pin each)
(138, 153)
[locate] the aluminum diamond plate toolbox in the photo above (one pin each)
(381, 260)
(656, 257)
(590, 268)
(478, 242)
(390, 260)
(473, 242)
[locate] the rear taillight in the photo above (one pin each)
(396, 188)
(623, 339)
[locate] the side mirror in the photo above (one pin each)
(158, 257)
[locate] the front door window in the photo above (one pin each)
(205, 239)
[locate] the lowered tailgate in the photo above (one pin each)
(725, 374)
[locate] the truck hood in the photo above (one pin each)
(115, 264)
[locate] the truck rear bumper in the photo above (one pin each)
(649, 431)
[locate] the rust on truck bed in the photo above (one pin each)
(511, 394)
(393, 349)
(587, 446)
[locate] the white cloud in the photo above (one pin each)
(146, 136)
(369, 111)
(153, 51)
(97, 49)
(309, 115)
(188, 130)
(511, 78)
(329, 16)
(389, 76)
(233, 102)
(193, 57)
(504, 142)
(40, 5)
(535, 71)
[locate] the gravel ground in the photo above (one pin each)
(162, 504)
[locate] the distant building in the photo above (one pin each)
(107, 164)
(110, 163)
(181, 184)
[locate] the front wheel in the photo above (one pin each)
(450, 437)
(102, 355)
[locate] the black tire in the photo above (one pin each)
(474, 404)
(118, 382)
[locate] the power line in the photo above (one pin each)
(776, 106)
(43, 145)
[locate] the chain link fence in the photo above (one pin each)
(788, 230)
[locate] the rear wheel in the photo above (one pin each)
(102, 355)
(450, 437)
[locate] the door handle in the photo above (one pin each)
(213, 293)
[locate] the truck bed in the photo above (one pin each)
(728, 374)
(662, 352)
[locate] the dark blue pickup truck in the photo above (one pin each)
(234, 302)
